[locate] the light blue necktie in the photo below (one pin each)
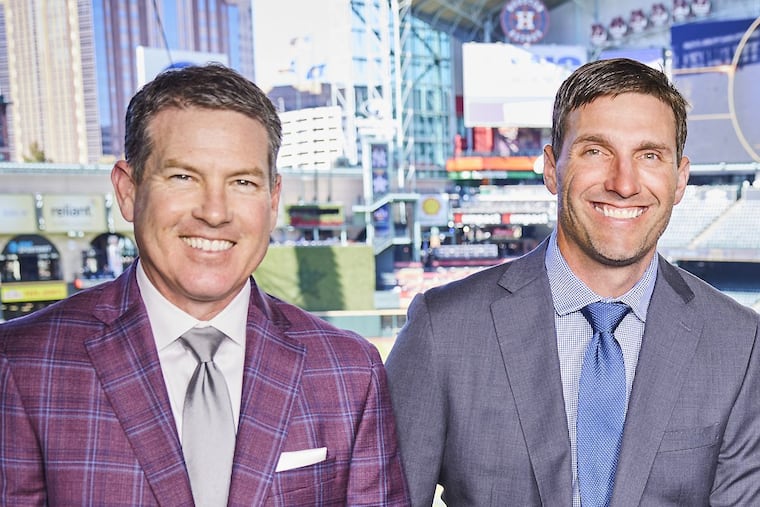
(601, 405)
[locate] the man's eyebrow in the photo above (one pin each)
(175, 162)
(601, 139)
(651, 145)
(253, 171)
(256, 170)
(591, 138)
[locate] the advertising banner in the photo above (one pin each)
(433, 209)
(513, 86)
(381, 220)
(380, 169)
(23, 292)
(67, 212)
(18, 214)
(699, 45)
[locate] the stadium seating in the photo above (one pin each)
(747, 297)
(699, 208)
(737, 228)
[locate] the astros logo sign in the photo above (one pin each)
(524, 21)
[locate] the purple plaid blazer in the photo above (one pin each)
(85, 417)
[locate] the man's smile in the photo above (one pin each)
(208, 245)
(614, 212)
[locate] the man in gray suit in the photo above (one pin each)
(492, 378)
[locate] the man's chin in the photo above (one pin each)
(210, 291)
(619, 258)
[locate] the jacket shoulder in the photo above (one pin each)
(323, 339)
(708, 299)
(54, 326)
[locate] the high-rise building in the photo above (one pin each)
(206, 26)
(48, 79)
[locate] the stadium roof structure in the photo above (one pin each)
(467, 20)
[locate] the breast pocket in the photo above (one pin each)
(316, 484)
(690, 438)
(684, 467)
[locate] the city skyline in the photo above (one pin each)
(352, 62)
(68, 68)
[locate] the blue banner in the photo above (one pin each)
(709, 44)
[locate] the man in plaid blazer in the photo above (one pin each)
(92, 388)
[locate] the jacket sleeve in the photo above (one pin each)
(22, 478)
(376, 476)
(737, 475)
(419, 403)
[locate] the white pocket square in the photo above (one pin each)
(298, 459)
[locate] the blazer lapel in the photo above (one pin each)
(272, 373)
(127, 364)
(524, 322)
(668, 345)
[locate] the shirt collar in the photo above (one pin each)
(169, 322)
(570, 294)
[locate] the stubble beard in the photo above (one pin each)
(595, 249)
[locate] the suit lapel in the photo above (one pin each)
(127, 364)
(272, 373)
(524, 322)
(667, 348)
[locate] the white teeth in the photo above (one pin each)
(620, 212)
(208, 245)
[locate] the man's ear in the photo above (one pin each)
(550, 169)
(275, 193)
(682, 178)
(124, 187)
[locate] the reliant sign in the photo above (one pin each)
(81, 213)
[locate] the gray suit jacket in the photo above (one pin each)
(475, 384)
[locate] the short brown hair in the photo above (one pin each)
(212, 86)
(611, 78)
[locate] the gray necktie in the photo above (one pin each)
(208, 430)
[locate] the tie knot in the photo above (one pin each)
(605, 317)
(203, 342)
